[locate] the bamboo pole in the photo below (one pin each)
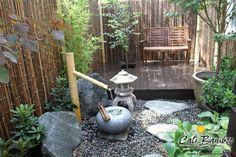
(101, 30)
(73, 83)
(98, 83)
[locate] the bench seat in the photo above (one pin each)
(166, 39)
(165, 48)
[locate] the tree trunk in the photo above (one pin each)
(218, 59)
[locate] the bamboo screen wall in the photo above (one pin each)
(204, 50)
(35, 73)
(153, 15)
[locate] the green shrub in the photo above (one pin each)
(60, 99)
(27, 133)
(215, 127)
(27, 125)
(122, 24)
(218, 93)
(77, 39)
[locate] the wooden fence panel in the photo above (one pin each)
(153, 14)
(35, 73)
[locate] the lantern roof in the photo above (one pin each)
(123, 77)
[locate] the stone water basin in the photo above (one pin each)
(120, 120)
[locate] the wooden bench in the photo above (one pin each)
(166, 39)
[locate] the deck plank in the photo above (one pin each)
(154, 75)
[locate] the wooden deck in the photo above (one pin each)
(154, 75)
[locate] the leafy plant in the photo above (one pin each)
(12, 148)
(77, 39)
(225, 11)
(60, 100)
(122, 23)
(185, 141)
(28, 133)
(27, 125)
(8, 43)
(218, 93)
(18, 35)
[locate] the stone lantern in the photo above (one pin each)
(123, 91)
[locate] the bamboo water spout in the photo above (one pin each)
(74, 92)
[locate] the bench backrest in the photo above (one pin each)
(167, 36)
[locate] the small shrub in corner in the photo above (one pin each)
(60, 99)
(218, 92)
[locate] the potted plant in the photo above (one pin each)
(218, 92)
(225, 13)
(121, 23)
(28, 129)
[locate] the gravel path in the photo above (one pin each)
(139, 142)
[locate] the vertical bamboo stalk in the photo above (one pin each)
(73, 83)
(101, 29)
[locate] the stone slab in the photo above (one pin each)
(161, 131)
(165, 107)
(153, 155)
(119, 137)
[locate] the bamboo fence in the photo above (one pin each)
(153, 14)
(35, 73)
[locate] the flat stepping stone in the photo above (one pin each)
(165, 107)
(117, 137)
(161, 131)
(153, 155)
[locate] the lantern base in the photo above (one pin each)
(130, 100)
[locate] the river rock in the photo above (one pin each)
(63, 134)
(161, 131)
(165, 107)
(90, 95)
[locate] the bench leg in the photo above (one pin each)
(187, 56)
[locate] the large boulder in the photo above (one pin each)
(63, 134)
(90, 95)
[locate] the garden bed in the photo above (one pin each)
(139, 142)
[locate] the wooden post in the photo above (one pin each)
(73, 83)
(101, 29)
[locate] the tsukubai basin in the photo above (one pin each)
(120, 120)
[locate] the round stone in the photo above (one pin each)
(120, 120)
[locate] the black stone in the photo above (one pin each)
(90, 95)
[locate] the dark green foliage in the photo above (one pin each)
(60, 98)
(13, 148)
(28, 133)
(215, 126)
(218, 93)
(27, 125)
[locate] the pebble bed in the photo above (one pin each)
(139, 142)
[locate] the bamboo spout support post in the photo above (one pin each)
(73, 84)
